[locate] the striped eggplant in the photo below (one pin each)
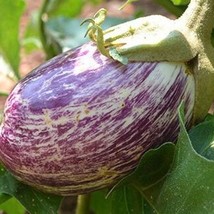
(81, 121)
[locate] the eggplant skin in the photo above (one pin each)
(80, 122)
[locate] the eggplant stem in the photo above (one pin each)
(83, 204)
(198, 19)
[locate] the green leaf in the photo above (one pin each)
(68, 8)
(3, 94)
(202, 137)
(126, 200)
(176, 10)
(34, 201)
(123, 200)
(209, 117)
(60, 31)
(100, 204)
(12, 206)
(153, 167)
(180, 2)
(31, 40)
(188, 188)
(11, 11)
(96, 2)
(4, 197)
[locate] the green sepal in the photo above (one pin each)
(116, 56)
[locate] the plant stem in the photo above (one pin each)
(43, 16)
(198, 20)
(83, 202)
(199, 17)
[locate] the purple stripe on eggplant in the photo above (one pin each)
(81, 121)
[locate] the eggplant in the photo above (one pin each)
(81, 121)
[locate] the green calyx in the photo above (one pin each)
(157, 38)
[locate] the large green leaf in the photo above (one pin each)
(10, 12)
(123, 200)
(126, 200)
(188, 188)
(99, 203)
(33, 200)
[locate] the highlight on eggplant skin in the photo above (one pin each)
(81, 121)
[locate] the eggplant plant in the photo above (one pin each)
(83, 120)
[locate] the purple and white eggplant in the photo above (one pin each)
(81, 121)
